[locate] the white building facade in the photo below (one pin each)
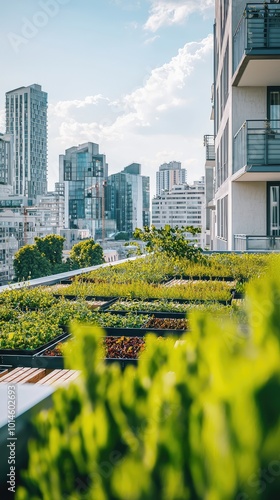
(181, 206)
(168, 175)
(26, 121)
(247, 125)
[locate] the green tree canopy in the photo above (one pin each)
(170, 240)
(86, 253)
(51, 246)
(29, 263)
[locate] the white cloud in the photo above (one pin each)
(148, 41)
(149, 125)
(141, 108)
(169, 12)
(62, 108)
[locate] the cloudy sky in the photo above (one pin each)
(133, 76)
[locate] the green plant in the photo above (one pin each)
(86, 253)
(170, 240)
(196, 419)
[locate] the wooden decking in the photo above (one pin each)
(40, 376)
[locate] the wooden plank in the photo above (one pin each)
(32, 378)
(24, 375)
(66, 378)
(13, 374)
(51, 377)
(4, 372)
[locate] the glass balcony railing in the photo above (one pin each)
(244, 242)
(209, 143)
(257, 143)
(258, 32)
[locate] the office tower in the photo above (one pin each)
(84, 172)
(128, 200)
(168, 175)
(247, 125)
(26, 120)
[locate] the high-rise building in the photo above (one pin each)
(247, 125)
(209, 213)
(26, 121)
(168, 175)
(128, 199)
(6, 159)
(181, 206)
(84, 172)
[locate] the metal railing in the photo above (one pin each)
(209, 143)
(257, 143)
(258, 30)
(244, 242)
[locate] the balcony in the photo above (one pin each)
(256, 150)
(256, 46)
(244, 243)
(209, 143)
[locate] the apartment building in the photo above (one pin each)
(247, 125)
(168, 175)
(26, 121)
(181, 206)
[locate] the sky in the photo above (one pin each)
(133, 76)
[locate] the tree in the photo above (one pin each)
(51, 246)
(86, 253)
(29, 263)
(170, 240)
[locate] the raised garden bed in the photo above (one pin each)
(32, 352)
(162, 307)
(93, 301)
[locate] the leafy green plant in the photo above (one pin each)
(86, 253)
(190, 411)
(172, 241)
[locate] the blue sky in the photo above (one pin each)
(133, 76)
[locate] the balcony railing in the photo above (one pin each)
(244, 242)
(257, 143)
(258, 32)
(209, 143)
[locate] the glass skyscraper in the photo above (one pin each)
(128, 199)
(84, 172)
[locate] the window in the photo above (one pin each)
(222, 158)
(222, 218)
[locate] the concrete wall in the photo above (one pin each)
(250, 103)
(249, 208)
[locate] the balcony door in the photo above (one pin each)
(273, 106)
(273, 209)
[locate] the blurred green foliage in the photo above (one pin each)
(196, 419)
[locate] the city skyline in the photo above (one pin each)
(134, 77)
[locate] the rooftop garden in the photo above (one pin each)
(180, 378)
(198, 416)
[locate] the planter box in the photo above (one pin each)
(203, 277)
(160, 314)
(32, 352)
(180, 301)
(89, 298)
